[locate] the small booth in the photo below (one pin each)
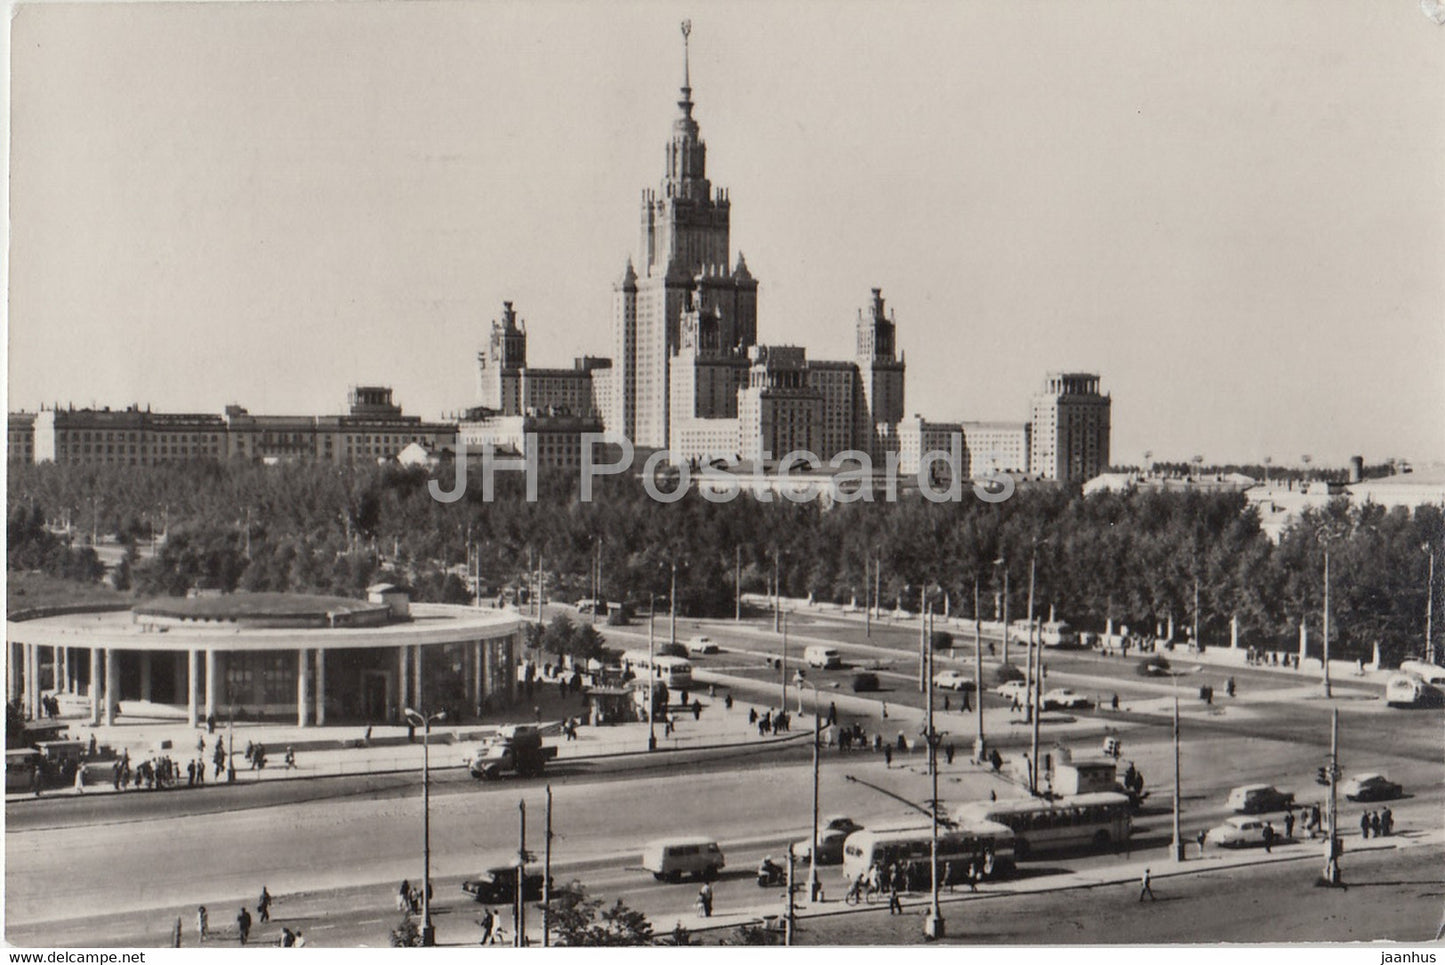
(610, 705)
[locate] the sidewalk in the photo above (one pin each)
(331, 751)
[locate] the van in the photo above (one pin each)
(825, 658)
(670, 858)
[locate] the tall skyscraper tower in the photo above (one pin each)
(1070, 428)
(499, 366)
(682, 268)
(881, 369)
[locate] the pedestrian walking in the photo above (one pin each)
(1364, 824)
(1144, 886)
(288, 940)
(300, 939)
(243, 924)
(1201, 837)
(1387, 821)
(887, 756)
(728, 701)
(1289, 824)
(1375, 823)
(895, 904)
(948, 752)
(704, 899)
(967, 703)
(203, 924)
(1268, 836)
(263, 904)
(176, 933)
(972, 876)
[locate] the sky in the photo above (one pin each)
(1233, 211)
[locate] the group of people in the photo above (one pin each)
(244, 922)
(1272, 658)
(770, 723)
(409, 898)
(1378, 824)
(153, 774)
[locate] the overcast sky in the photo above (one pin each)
(1234, 211)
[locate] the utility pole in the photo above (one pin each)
(672, 608)
(783, 676)
(1430, 607)
(777, 594)
(651, 673)
(1178, 835)
(737, 584)
(1332, 844)
(519, 913)
(868, 599)
(547, 876)
(1005, 613)
(978, 746)
(923, 614)
(1030, 710)
(1326, 678)
(814, 887)
(1037, 696)
(933, 926)
(1196, 613)
(878, 583)
(790, 920)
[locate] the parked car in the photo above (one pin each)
(1259, 798)
(1013, 690)
(498, 885)
(1371, 787)
(1065, 699)
(701, 645)
(830, 847)
(953, 680)
(865, 682)
(1237, 832)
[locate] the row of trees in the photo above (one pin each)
(1137, 558)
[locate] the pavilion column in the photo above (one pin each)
(193, 666)
(112, 685)
(320, 687)
(403, 676)
(1304, 639)
(12, 679)
(145, 675)
(62, 670)
(416, 678)
(94, 686)
(210, 683)
(1234, 632)
(477, 650)
(486, 684)
(303, 687)
(32, 685)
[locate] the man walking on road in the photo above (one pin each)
(243, 923)
(263, 904)
(1144, 888)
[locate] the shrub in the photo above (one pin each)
(1005, 672)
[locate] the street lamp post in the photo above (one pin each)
(1004, 563)
(933, 927)
(1326, 619)
(978, 744)
(428, 933)
(1430, 606)
(814, 887)
(651, 613)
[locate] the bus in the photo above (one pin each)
(1058, 634)
(989, 845)
(1411, 690)
(1098, 820)
(676, 672)
(20, 767)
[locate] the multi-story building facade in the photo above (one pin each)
(20, 440)
(507, 386)
(556, 440)
(373, 429)
(1070, 428)
(917, 437)
(778, 412)
(995, 447)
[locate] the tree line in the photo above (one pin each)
(1138, 558)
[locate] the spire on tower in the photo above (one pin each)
(686, 102)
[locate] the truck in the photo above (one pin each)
(515, 747)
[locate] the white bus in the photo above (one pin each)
(1058, 634)
(1098, 820)
(989, 845)
(676, 672)
(1411, 690)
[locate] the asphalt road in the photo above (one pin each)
(333, 850)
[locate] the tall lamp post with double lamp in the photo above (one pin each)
(428, 933)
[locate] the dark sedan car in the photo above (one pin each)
(498, 885)
(864, 682)
(1371, 787)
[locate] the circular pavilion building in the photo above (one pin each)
(269, 654)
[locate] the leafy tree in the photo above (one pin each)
(584, 921)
